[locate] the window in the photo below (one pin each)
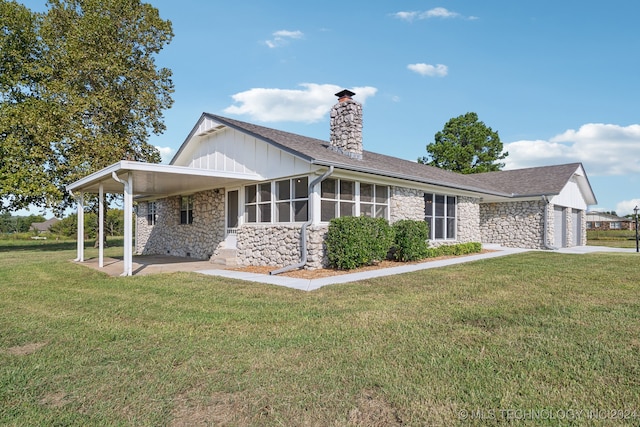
(257, 206)
(292, 200)
(337, 198)
(440, 215)
(186, 210)
(615, 225)
(374, 200)
(289, 201)
(340, 197)
(152, 213)
(589, 224)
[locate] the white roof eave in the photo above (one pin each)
(152, 178)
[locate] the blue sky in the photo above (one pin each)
(558, 80)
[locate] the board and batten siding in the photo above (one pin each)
(570, 197)
(228, 150)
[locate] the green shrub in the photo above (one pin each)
(411, 240)
(353, 242)
(457, 249)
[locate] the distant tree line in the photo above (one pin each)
(17, 224)
(67, 227)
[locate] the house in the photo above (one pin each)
(602, 221)
(239, 192)
(41, 227)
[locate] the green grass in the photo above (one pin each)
(612, 238)
(538, 331)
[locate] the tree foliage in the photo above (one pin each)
(17, 224)
(79, 90)
(466, 145)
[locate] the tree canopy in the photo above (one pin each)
(466, 145)
(79, 90)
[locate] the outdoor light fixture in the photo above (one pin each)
(635, 212)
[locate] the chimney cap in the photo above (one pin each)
(345, 93)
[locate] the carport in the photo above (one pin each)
(142, 180)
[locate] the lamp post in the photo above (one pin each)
(635, 211)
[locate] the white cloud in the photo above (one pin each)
(166, 153)
(309, 104)
(626, 207)
(282, 37)
(406, 16)
(437, 12)
(604, 149)
(438, 70)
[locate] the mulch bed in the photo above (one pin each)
(327, 272)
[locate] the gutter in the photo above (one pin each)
(413, 178)
(114, 175)
(546, 225)
(303, 230)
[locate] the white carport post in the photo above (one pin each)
(101, 227)
(128, 220)
(128, 209)
(80, 246)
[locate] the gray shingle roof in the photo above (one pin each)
(544, 180)
(531, 181)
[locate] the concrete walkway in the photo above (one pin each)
(310, 285)
(153, 264)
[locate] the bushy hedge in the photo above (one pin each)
(457, 249)
(354, 242)
(411, 240)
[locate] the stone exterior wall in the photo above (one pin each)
(570, 227)
(269, 245)
(317, 251)
(515, 224)
(408, 203)
(551, 227)
(583, 227)
(468, 220)
(346, 128)
(200, 240)
(278, 245)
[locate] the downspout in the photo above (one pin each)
(303, 230)
(546, 225)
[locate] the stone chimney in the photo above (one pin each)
(346, 126)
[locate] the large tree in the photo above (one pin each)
(466, 145)
(82, 91)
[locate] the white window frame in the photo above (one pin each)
(355, 203)
(270, 206)
(292, 200)
(431, 218)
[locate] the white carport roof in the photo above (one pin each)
(144, 180)
(151, 179)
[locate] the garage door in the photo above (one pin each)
(577, 227)
(559, 227)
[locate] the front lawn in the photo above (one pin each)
(541, 337)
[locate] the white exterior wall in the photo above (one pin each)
(228, 150)
(570, 197)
